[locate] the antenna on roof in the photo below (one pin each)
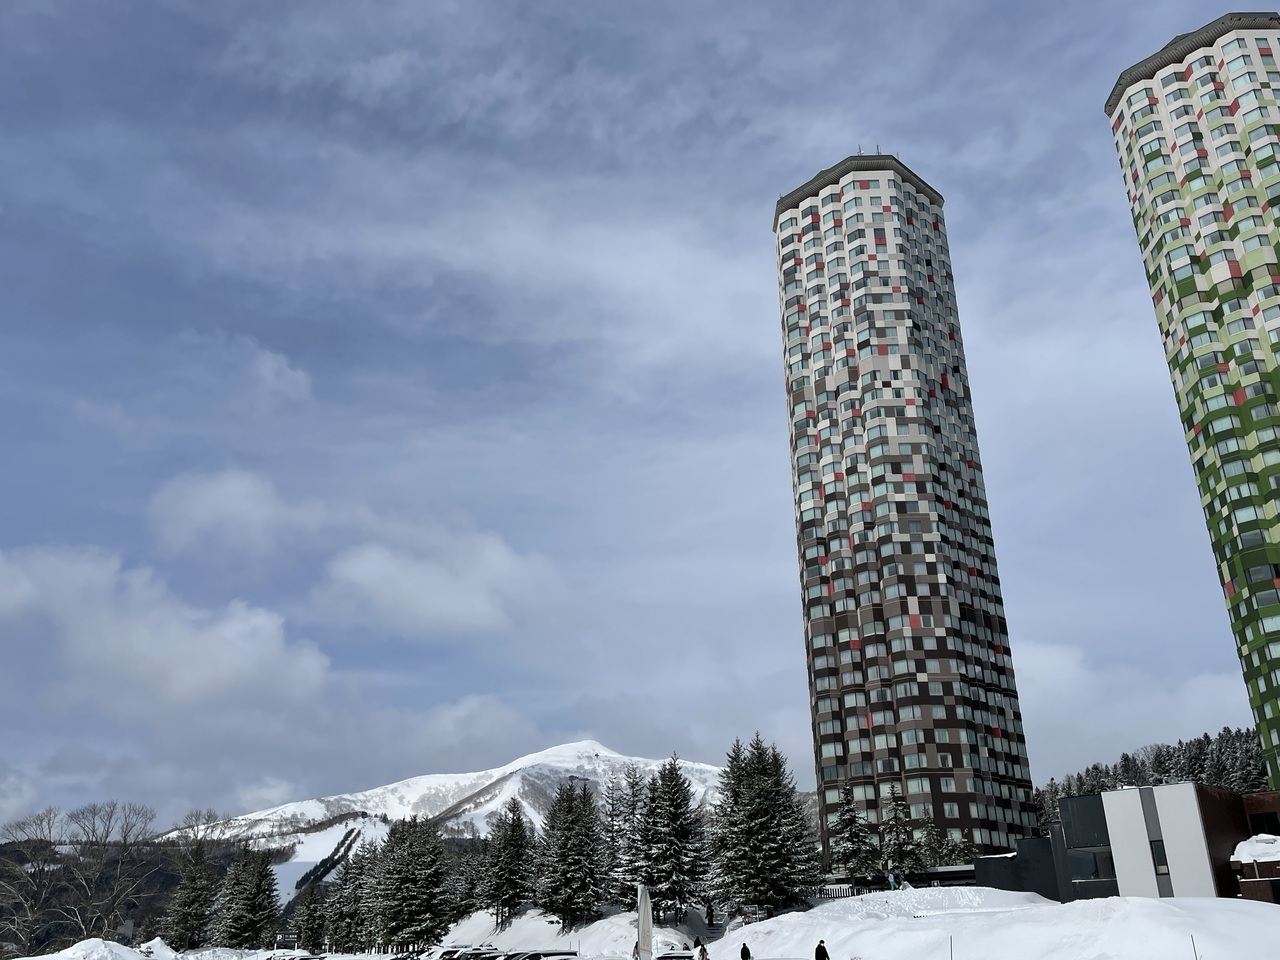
(877, 148)
(859, 149)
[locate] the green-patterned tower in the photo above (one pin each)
(1196, 129)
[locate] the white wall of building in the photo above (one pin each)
(1130, 848)
(1184, 841)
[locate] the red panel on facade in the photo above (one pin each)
(1224, 367)
(1238, 396)
(914, 620)
(864, 184)
(908, 476)
(882, 349)
(1196, 429)
(1231, 588)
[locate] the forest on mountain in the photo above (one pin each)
(1232, 760)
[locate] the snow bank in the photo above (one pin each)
(980, 923)
(985, 923)
(613, 936)
(1257, 849)
(157, 949)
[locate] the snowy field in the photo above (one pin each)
(977, 923)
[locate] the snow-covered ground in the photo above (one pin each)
(967, 923)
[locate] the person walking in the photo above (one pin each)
(820, 952)
(702, 952)
(697, 942)
(744, 953)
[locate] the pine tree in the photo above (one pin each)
(631, 845)
(410, 885)
(960, 849)
(466, 883)
(854, 845)
(932, 845)
(186, 924)
(347, 922)
(727, 848)
(307, 921)
(247, 910)
(671, 841)
(899, 852)
(571, 878)
(508, 882)
(762, 846)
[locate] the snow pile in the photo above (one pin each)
(983, 923)
(1257, 849)
(97, 949)
(157, 949)
(613, 936)
(978, 923)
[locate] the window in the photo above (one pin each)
(1158, 857)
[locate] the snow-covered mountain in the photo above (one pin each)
(466, 803)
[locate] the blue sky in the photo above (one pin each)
(391, 388)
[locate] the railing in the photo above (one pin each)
(845, 890)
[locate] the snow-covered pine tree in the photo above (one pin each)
(347, 924)
(899, 852)
(571, 881)
(466, 883)
(247, 910)
(932, 844)
(960, 849)
(186, 923)
(410, 886)
(508, 881)
(728, 853)
(671, 840)
(631, 846)
(762, 845)
(855, 846)
(307, 920)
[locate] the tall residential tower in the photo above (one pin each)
(910, 676)
(1195, 127)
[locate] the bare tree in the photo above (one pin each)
(110, 857)
(30, 877)
(205, 826)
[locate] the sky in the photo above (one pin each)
(395, 388)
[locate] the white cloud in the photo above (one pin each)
(472, 582)
(131, 647)
(265, 793)
(17, 793)
(1079, 711)
(276, 379)
(233, 510)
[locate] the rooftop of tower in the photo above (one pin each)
(856, 163)
(1184, 44)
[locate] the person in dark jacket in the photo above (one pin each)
(745, 954)
(820, 952)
